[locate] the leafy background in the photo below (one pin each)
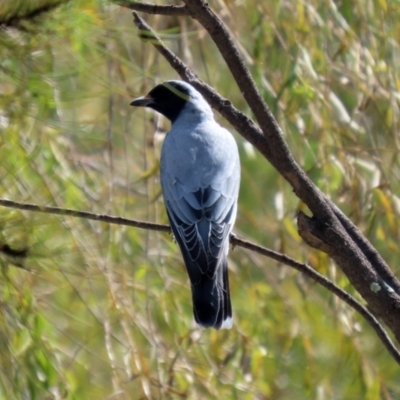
(94, 311)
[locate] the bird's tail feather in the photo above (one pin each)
(211, 299)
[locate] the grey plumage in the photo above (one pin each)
(200, 176)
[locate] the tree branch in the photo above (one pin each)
(84, 214)
(366, 247)
(235, 241)
(338, 243)
(16, 20)
(325, 282)
(277, 151)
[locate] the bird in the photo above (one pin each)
(200, 179)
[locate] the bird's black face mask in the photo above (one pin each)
(167, 98)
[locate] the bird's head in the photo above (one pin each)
(170, 98)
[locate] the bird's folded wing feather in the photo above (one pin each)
(201, 221)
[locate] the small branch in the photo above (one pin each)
(12, 252)
(149, 8)
(15, 20)
(86, 215)
(147, 34)
(235, 241)
(325, 282)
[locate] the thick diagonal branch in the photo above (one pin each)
(278, 152)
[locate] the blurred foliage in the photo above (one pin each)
(94, 311)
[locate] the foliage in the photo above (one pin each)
(92, 311)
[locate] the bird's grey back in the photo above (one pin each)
(199, 156)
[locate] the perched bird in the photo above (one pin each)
(200, 176)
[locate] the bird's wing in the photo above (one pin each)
(201, 221)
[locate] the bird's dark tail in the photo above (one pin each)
(211, 299)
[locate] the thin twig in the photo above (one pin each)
(84, 214)
(235, 241)
(16, 20)
(150, 8)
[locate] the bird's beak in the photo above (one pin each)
(142, 101)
